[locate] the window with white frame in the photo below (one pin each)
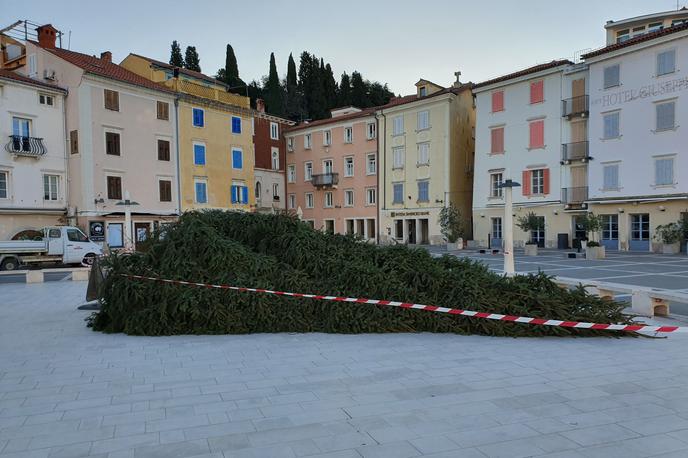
(307, 171)
(309, 200)
(275, 191)
(423, 120)
(348, 134)
(327, 137)
(51, 187)
(33, 68)
(664, 171)
(327, 166)
(348, 166)
(537, 181)
(611, 125)
(665, 115)
(349, 198)
(398, 154)
(291, 173)
(371, 196)
(371, 164)
(423, 153)
(275, 159)
(612, 76)
(495, 183)
(666, 62)
(4, 184)
(201, 191)
(329, 200)
(274, 131)
(610, 176)
(45, 99)
(307, 141)
(398, 125)
(371, 130)
(292, 201)
(290, 143)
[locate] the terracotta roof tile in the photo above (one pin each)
(636, 40)
(525, 71)
(183, 71)
(6, 74)
(321, 122)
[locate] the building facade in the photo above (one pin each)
(270, 160)
(216, 154)
(426, 161)
(332, 172)
(33, 163)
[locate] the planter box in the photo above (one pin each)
(458, 245)
(595, 252)
(671, 248)
(531, 250)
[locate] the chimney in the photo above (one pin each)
(260, 105)
(47, 35)
(106, 56)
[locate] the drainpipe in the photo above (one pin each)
(179, 175)
(67, 153)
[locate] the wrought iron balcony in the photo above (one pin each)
(576, 151)
(575, 106)
(325, 180)
(25, 146)
(577, 195)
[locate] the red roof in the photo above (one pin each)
(6, 74)
(99, 67)
(414, 97)
(638, 39)
(183, 71)
(526, 71)
(320, 122)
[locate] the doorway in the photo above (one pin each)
(610, 231)
(411, 226)
(141, 233)
(496, 233)
(424, 232)
(538, 236)
(640, 232)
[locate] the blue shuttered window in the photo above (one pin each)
(199, 154)
(239, 194)
(237, 159)
(611, 125)
(398, 193)
(198, 120)
(201, 192)
(236, 125)
(423, 191)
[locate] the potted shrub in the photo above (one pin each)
(530, 223)
(592, 224)
(670, 235)
(452, 226)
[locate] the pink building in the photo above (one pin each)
(332, 172)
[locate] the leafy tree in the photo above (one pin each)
(359, 91)
(452, 223)
(176, 58)
(273, 91)
(591, 223)
(191, 59)
(310, 86)
(530, 223)
(344, 93)
(378, 94)
(255, 91)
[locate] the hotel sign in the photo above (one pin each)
(650, 90)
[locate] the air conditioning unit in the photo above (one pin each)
(49, 74)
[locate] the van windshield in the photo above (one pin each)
(75, 235)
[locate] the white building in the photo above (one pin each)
(638, 105)
(33, 162)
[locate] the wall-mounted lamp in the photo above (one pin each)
(99, 200)
(482, 215)
(662, 208)
(555, 212)
(621, 210)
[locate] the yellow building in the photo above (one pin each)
(215, 139)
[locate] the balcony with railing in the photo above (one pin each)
(574, 196)
(325, 180)
(575, 106)
(26, 146)
(576, 151)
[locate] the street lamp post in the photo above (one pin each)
(128, 238)
(508, 228)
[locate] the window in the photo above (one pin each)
(666, 62)
(290, 144)
(21, 127)
(398, 125)
(371, 130)
(611, 125)
(51, 187)
(275, 159)
(537, 92)
(423, 153)
(291, 173)
(611, 76)
(237, 158)
(236, 125)
(33, 68)
(199, 154)
(423, 120)
(257, 190)
(497, 228)
(537, 180)
(349, 198)
(622, 35)
(111, 100)
(398, 193)
(165, 187)
(274, 131)
(327, 166)
(4, 185)
(371, 164)
(307, 141)
(348, 134)
(495, 182)
(75, 235)
(664, 171)
(198, 117)
(422, 91)
(348, 166)
(112, 143)
(275, 191)
(654, 27)
(114, 187)
(307, 171)
(328, 200)
(115, 237)
(610, 227)
(292, 201)
(398, 157)
(665, 115)
(327, 137)
(309, 200)
(45, 99)
(163, 150)
(74, 142)
(610, 176)
(399, 229)
(163, 110)
(537, 134)
(497, 140)
(497, 101)
(371, 196)
(424, 191)
(201, 191)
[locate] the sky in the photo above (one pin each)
(394, 42)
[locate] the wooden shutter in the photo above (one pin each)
(545, 181)
(163, 150)
(526, 182)
(114, 187)
(165, 191)
(497, 140)
(537, 134)
(537, 93)
(497, 101)
(74, 142)
(112, 143)
(163, 111)
(111, 100)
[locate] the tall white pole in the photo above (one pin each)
(508, 232)
(128, 239)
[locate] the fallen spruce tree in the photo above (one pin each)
(281, 253)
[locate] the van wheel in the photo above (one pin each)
(88, 260)
(10, 264)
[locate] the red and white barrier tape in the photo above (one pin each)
(432, 308)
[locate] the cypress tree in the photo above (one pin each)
(176, 58)
(330, 87)
(359, 91)
(273, 90)
(231, 68)
(191, 59)
(293, 104)
(291, 72)
(344, 92)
